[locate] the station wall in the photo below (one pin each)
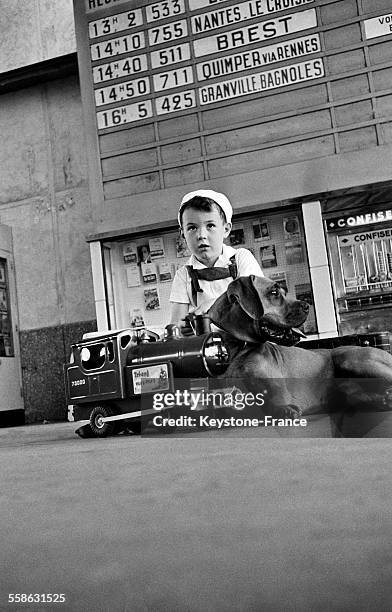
(33, 32)
(45, 199)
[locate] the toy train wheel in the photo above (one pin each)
(100, 428)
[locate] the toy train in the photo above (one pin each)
(112, 377)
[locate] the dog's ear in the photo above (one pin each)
(243, 291)
(229, 316)
(236, 310)
(219, 309)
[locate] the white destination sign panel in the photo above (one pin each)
(168, 32)
(194, 5)
(120, 68)
(173, 78)
(96, 5)
(175, 102)
(170, 55)
(236, 13)
(378, 26)
(122, 91)
(161, 10)
(262, 81)
(115, 23)
(117, 46)
(258, 32)
(124, 114)
(270, 5)
(230, 64)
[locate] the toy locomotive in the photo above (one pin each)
(112, 377)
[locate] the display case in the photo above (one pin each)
(139, 268)
(360, 249)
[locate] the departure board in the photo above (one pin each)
(153, 60)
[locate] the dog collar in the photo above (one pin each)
(284, 337)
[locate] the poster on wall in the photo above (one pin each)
(181, 246)
(151, 299)
(268, 256)
(291, 228)
(149, 272)
(133, 275)
(143, 252)
(294, 253)
(129, 252)
(5, 325)
(7, 346)
(3, 300)
(304, 292)
(2, 273)
(261, 231)
(136, 317)
(164, 271)
(280, 278)
(156, 247)
(237, 235)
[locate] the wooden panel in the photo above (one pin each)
(266, 106)
(382, 79)
(183, 175)
(386, 132)
(354, 113)
(355, 140)
(181, 151)
(137, 184)
(178, 126)
(370, 6)
(384, 106)
(380, 54)
(338, 11)
(343, 62)
(268, 158)
(268, 132)
(350, 87)
(125, 139)
(120, 164)
(341, 37)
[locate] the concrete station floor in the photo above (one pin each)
(205, 523)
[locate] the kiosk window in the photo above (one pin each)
(6, 343)
(364, 271)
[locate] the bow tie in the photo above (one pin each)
(212, 274)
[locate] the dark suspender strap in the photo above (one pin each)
(233, 269)
(194, 284)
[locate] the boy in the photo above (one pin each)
(205, 221)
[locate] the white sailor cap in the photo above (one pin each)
(219, 198)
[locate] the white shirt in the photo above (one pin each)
(181, 290)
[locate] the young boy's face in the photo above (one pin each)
(204, 233)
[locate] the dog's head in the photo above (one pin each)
(257, 309)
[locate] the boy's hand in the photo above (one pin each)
(186, 327)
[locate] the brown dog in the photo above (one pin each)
(260, 317)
